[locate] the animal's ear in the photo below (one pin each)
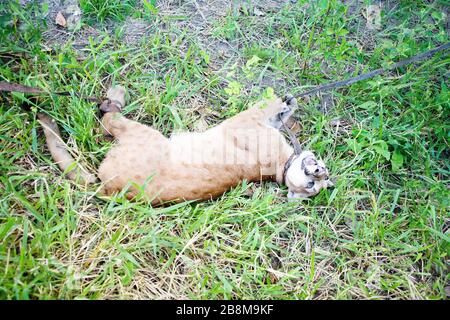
(310, 161)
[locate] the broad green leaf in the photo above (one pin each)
(381, 148)
(397, 160)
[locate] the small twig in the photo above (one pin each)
(200, 11)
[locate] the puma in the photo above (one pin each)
(192, 165)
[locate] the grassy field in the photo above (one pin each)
(381, 233)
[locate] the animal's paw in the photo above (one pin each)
(117, 93)
(290, 101)
(115, 100)
(290, 105)
(283, 112)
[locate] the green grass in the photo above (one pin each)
(103, 9)
(380, 233)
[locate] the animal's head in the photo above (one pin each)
(306, 176)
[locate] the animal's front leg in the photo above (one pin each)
(282, 115)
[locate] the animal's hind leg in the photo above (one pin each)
(116, 125)
(113, 122)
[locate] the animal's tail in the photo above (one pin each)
(60, 154)
(58, 149)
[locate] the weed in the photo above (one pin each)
(114, 9)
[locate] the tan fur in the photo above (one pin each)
(200, 166)
(142, 152)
